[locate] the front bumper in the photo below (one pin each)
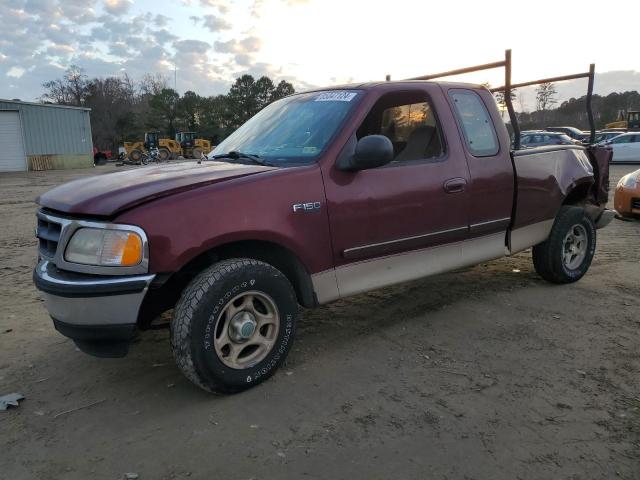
(625, 201)
(99, 313)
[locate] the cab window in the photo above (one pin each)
(409, 121)
(477, 126)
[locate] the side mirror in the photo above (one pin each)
(371, 151)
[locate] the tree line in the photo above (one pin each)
(572, 112)
(122, 109)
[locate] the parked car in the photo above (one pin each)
(604, 136)
(627, 195)
(626, 148)
(572, 132)
(319, 196)
(545, 138)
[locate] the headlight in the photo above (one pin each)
(628, 181)
(98, 246)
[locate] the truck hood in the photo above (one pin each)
(106, 195)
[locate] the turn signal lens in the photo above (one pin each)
(94, 246)
(121, 248)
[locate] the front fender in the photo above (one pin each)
(182, 226)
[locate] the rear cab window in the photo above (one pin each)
(475, 121)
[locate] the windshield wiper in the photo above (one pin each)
(235, 155)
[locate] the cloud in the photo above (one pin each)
(117, 7)
(15, 72)
(214, 23)
(250, 44)
(109, 37)
(221, 5)
(161, 20)
(243, 59)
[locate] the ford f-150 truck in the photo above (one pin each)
(319, 196)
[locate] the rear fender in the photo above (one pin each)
(545, 179)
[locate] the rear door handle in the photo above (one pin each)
(455, 185)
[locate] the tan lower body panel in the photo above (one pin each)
(525, 237)
(381, 272)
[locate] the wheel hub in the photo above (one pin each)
(242, 326)
(246, 330)
(575, 247)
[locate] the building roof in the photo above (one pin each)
(20, 102)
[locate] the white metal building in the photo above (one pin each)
(37, 136)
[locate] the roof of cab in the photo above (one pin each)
(373, 85)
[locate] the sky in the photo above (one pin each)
(208, 43)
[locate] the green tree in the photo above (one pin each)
(214, 119)
(163, 111)
(248, 96)
(284, 89)
(190, 111)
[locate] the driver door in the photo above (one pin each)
(417, 201)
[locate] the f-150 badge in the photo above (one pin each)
(306, 207)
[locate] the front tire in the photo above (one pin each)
(234, 325)
(164, 154)
(567, 254)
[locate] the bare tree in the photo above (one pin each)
(71, 89)
(77, 84)
(521, 101)
(546, 96)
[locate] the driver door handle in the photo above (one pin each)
(455, 185)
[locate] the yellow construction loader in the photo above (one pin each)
(168, 149)
(632, 121)
(192, 147)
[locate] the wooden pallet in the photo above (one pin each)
(40, 162)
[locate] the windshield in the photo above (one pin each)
(294, 130)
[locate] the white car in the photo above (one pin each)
(626, 148)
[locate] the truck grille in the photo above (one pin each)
(48, 234)
(635, 203)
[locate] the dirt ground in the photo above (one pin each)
(487, 373)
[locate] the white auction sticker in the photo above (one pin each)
(337, 96)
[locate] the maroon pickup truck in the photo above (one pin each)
(321, 195)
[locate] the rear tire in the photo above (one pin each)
(567, 254)
(135, 155)
(234, 325)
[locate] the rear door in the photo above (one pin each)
(487, 152)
